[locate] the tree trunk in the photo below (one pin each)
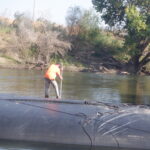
(133, 66)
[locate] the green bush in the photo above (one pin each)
(5, 29)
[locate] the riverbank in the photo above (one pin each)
(6, 62)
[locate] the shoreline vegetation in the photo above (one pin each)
(8, 63)
(83, 45)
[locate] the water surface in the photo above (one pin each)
(78, 86)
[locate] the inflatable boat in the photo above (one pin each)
(74, 123)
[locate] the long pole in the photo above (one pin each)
(61, 81)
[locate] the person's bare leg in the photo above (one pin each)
(55, 85)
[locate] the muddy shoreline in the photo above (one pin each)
(72, 68)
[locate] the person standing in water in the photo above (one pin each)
(50, 79)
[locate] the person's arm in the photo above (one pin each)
(59, 75)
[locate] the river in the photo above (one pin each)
(106, 88)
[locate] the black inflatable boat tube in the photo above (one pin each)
(78, 123)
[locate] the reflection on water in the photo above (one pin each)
(84, 86)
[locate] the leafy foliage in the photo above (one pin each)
(137, 28)
(86, 32)
(134, 17)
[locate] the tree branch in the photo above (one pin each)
(145, 60)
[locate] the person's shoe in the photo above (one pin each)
(46, 96)
(57, 97)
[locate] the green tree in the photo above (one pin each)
(73, 16)
(134, 17)
(82, 23)
(89, 25)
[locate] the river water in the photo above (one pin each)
(75, 86)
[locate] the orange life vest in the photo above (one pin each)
(52, 72)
